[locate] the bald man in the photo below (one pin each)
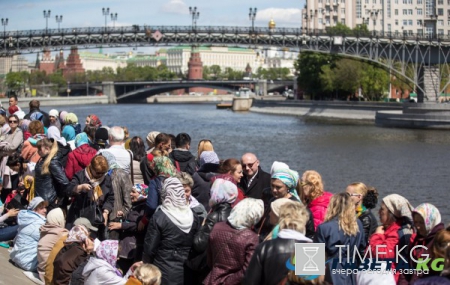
(255, 180)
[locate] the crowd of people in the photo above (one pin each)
(93, 205)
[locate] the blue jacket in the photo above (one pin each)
(24, 253)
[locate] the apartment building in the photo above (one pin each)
(395, 16)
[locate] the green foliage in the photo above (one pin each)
(309, 68)
(343, 30)
(16, 80)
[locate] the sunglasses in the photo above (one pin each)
(12, 122)
(249, 165)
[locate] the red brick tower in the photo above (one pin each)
(195, 68)
(47, 63)
(59, 61)
(73, 63)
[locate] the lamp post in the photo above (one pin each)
(68, 88)
(252, 16)
(4, 24)
(105, 13)
(59, 20)
(46, 16)
(114, 19)
(195, 15)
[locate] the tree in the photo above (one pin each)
(206, 72)
(374, 81)
(348, 74)
(339, 29)
(215, 71)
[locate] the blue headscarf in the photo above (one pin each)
(289, 178)
(81, 139)
(68, 133)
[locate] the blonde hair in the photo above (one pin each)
(148, 274)
(204, 145)
(341, 206)
(313, 179)
(293, 216)
(360, 188)
(440, 244)
(185, 179)
(53, 150)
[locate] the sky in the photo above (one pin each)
(28, 14)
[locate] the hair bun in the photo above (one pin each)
(370, 201)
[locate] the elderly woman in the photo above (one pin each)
(170, 233)
(365, 199)
(396, 229)
(80, 157)
(24, 253)
(232, 243)
(51, 232)
(427, 221)
(223, 194)
(131, 239)
(341, 227)
(188, 183)
(91, 188)
(71, 129)
(101, 269)
(268, 263)
(313, 195)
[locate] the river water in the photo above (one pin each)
(412, 163)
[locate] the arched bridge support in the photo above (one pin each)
(110, 91)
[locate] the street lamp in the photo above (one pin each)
(105, 13)
(114, 18)
(46, 16)
(58, 20)
(195, 15)
(4, 24)
(252, 16)
(68, 88)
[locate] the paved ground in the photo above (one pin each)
(11, 275)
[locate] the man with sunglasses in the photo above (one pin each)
(255, 180)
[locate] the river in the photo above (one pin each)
(412, 163)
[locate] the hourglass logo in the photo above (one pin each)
(309, 259)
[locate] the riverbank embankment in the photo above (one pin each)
(356, 112)
(58, 101)
(189, 99)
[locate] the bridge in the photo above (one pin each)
(428, 56)
(127, 92)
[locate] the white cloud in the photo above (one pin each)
(280, 16)
(175, 7)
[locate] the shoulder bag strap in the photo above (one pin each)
(131, 167)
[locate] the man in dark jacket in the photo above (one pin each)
(255, 180)
(181, 157)
(34, 107)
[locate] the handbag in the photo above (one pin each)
(127, 247)
(92, 212)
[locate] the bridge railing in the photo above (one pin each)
(293, 31)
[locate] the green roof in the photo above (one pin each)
(86, 54)
(208, 48)
(137, 58)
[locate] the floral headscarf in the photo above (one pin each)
(430, 215)
(209, 157)
(108, 251)
(174, 204)
(54, 133)
(112, 163)
(398, 205)
(142, 189)
(223, 191)
(77, 234)
(288, 177)
(163, 166)
(246, 213)
(81, 139)
(95, 121)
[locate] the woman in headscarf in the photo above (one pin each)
(203, 145)
(170, 233)
(63, 148)
(341, 227)
(232, 243)
(137, 147)
(93, 120)
(51, 232)
(163, 168)
(365, 199)
(24, 124)
(427, 221)
(131, 239)
(187, 181)
(29, 149)
(93, 185)
(314, 196)
(51, 182)
(76, 250)
(233, 167)
(101, 269)
(71, 129)
(80, 157)
(223, 194)
(396, 229)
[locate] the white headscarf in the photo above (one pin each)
(54, 133)
(56, 217)
(246, 213)
(174, 204)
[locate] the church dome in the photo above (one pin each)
(272, 24)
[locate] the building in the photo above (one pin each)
(13, 63)
(395, 16)
(97, 61)
(232, 57)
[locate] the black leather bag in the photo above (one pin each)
(92, 212)
(127, 247)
